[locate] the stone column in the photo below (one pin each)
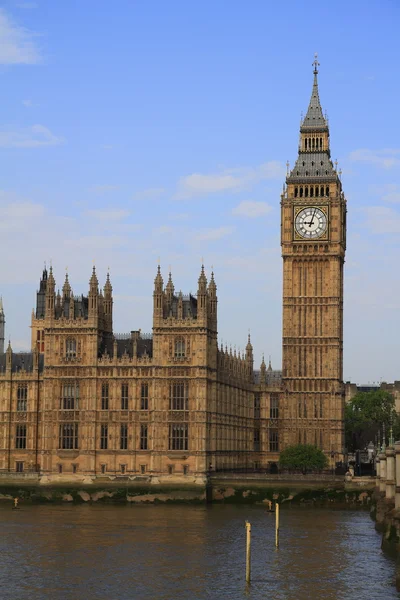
(390, 473)
(382, 472)
(397, 471)
(377, 468)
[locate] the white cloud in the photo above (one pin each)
(251, 209)
(391, 193)
(148, 194)
(103, 189)
(227, 180)
(211, 235)
(28, 103)
(16, 43)
(31, 137)
(385, 158)
(111, 214)
(382, 219)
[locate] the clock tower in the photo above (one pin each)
(313, 240)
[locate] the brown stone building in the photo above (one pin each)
(87, 402)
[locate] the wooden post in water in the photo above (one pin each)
(248, 551)
(276, 524)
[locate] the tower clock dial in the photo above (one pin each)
(311, 223)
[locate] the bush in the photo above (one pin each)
(303, 457)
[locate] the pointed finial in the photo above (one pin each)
(316, 64)
(336, 164)
(287, 167)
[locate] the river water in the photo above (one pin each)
(90, 552)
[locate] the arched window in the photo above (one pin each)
(179, 348)
(312, 190)
(296, 191)
(327, 190)
(306, 191)
(70, 348)
(316, 191)
(305, 143)
(301, 192)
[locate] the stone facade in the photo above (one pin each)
(170, 403)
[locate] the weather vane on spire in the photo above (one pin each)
(316, 64)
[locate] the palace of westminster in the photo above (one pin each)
(87, 402)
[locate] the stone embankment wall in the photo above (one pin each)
(266, 490)
(386, 498)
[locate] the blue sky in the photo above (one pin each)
(135, 130)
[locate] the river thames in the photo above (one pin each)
(57, 552)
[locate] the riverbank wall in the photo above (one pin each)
(305, 490)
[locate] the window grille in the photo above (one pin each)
(70, 348)
(274, 407)
(104, 396)
(20, 437)
(124, 396)
(70, 396)
(273, 440)
(124, 436)
(179, 396)
(22, 397)
(104, 437)
(143, 437)
(68, 436)
(144, 396)
(178, 436)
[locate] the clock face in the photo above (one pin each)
(311, 223)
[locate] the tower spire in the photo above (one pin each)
(314, 118)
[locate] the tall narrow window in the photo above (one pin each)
(70, 348)
(273, 440)
(124, 396)
(179, 348)
(19, 466)
(104, 437)
(178, 436)
(144, 396)
(22, 397)
(124, 436)
(274, 406)
(68, 439)
(70, 396)
(321, 407)
(256, 440)
(20, 437)
(257, 406)
(179, 396)
(143, 437)
(104, 396)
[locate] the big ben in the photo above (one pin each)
(313, 240)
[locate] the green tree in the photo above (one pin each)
(364, 416)
(303, 457)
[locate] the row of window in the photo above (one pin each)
(71, 348)
(179, 396)
(318, 409)
(311, 191)
(178, 438)
(273, 406)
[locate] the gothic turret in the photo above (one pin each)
(50, 295)
(93, 294)
(212, 302)
(263, 371)
(108, 304)
(158, 297)
(2, 326)
(202, 295)
(41, 296)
